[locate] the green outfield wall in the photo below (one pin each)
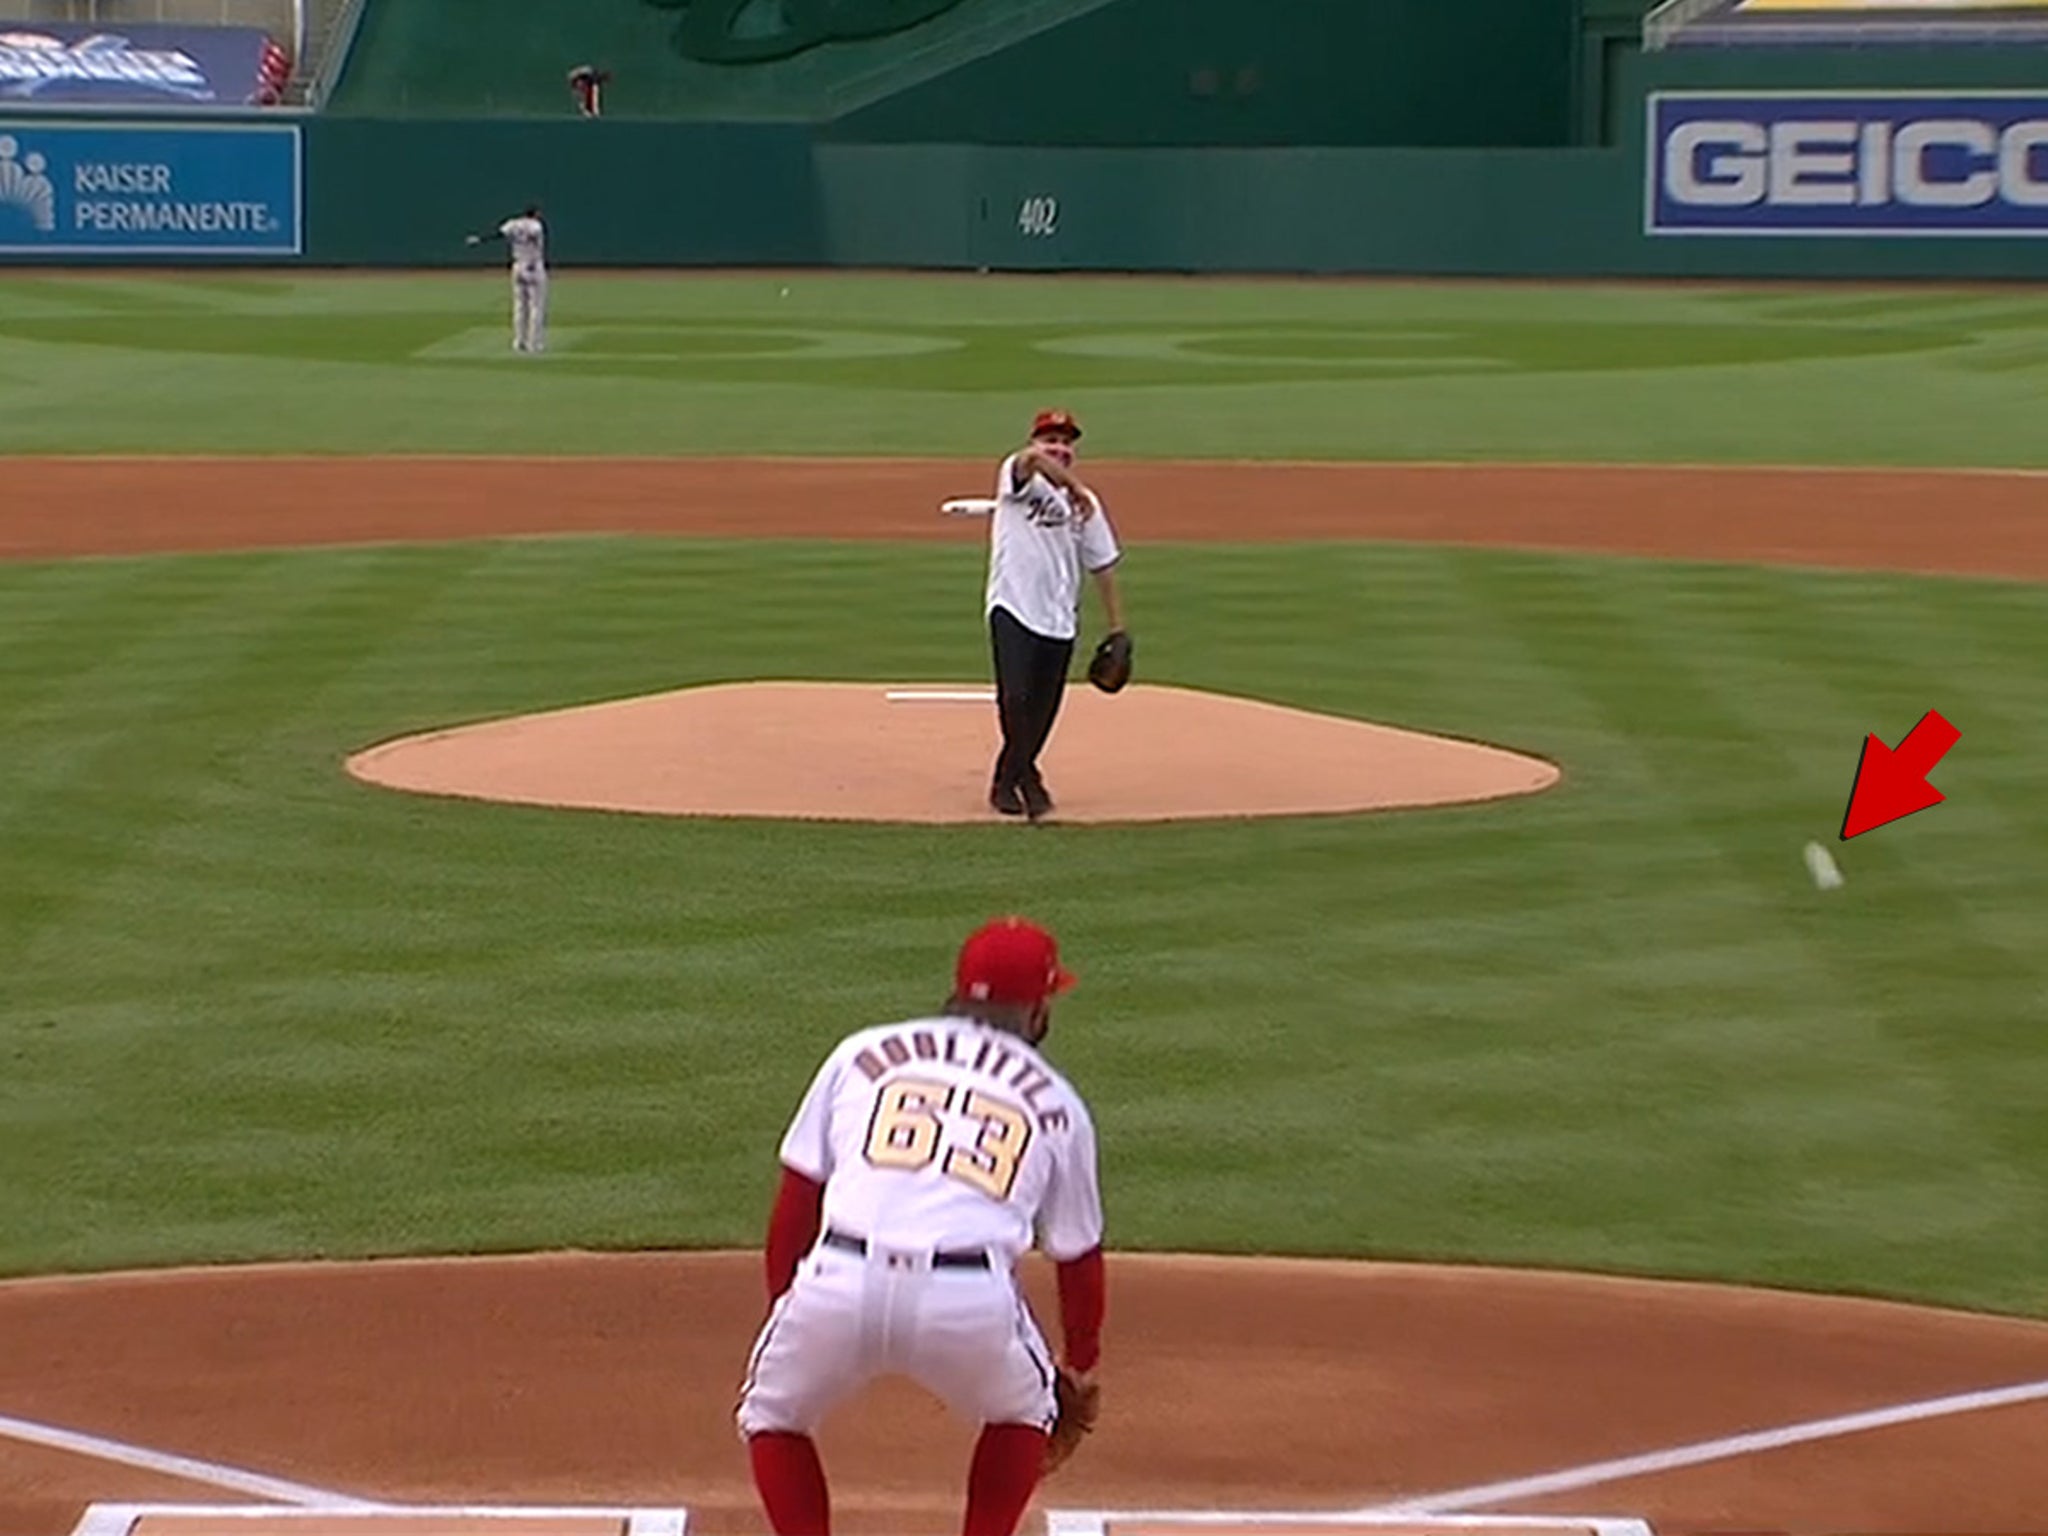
(402, 193)
(1543, 213)
(631, 193)
(379, 191)
(1310, 210)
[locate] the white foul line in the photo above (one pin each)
(255, 1484)
(1650, 1463)
(120, 1519)
(1097, 1522)
(940, 696)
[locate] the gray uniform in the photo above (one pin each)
(528, 240)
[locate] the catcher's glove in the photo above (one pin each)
(1080, 1404)
(1110, 667)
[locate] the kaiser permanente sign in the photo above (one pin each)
(1929, 164)
(182, 190)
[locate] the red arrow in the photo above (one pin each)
(1891, 784)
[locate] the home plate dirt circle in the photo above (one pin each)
(920, 752)
(1230, 1384)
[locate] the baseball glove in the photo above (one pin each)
(1080, 1405)
(1110, 667)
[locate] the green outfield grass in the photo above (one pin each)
(248, 1007)
(936, 364)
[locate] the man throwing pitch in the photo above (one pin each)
(527, 237)
(1046, 529)
(927, 1153)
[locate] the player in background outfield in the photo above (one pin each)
(1046, 529)
(528, 239)
(927, 1153)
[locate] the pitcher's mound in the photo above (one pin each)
(922, 752)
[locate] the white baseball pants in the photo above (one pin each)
(965, 1335)
(529, 311)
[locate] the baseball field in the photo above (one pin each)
(1622, 1140)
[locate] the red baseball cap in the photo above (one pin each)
(1056, 421)
(1010, 961)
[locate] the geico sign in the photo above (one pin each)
(1824, 163)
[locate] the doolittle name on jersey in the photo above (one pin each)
(975, 1053)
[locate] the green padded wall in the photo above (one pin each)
(390, 191)
(617, 193)
(1565, 213)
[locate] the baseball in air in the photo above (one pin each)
(785, 293)
(1827, 874)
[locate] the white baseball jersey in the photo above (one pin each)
(934, 1139)
(1038, 547)
(946, 1133)
(528, 239)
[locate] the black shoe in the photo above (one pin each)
(1037, 803)
(1007, 799)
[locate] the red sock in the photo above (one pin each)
(791, 1482)
(1009, 1459)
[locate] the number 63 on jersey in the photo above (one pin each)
(907, 1132)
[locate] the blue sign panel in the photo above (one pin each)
(73, 189)
(1926, 164)
(61, 64)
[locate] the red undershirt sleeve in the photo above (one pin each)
(792, 1228)
(1084, 1299)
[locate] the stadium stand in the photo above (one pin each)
(1845, 23)
(306, 30)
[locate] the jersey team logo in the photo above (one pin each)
(1047, 509)
(24, 187)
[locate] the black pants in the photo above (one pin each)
(1031, 678)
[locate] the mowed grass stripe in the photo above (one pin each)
(1889, 646)
(891, 363)
(1633, 975)
(409, 919)
(65, 619)
(1831, 1190)
(123, 662)
(1961, 898)
(199, 684)
(315, 1017)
